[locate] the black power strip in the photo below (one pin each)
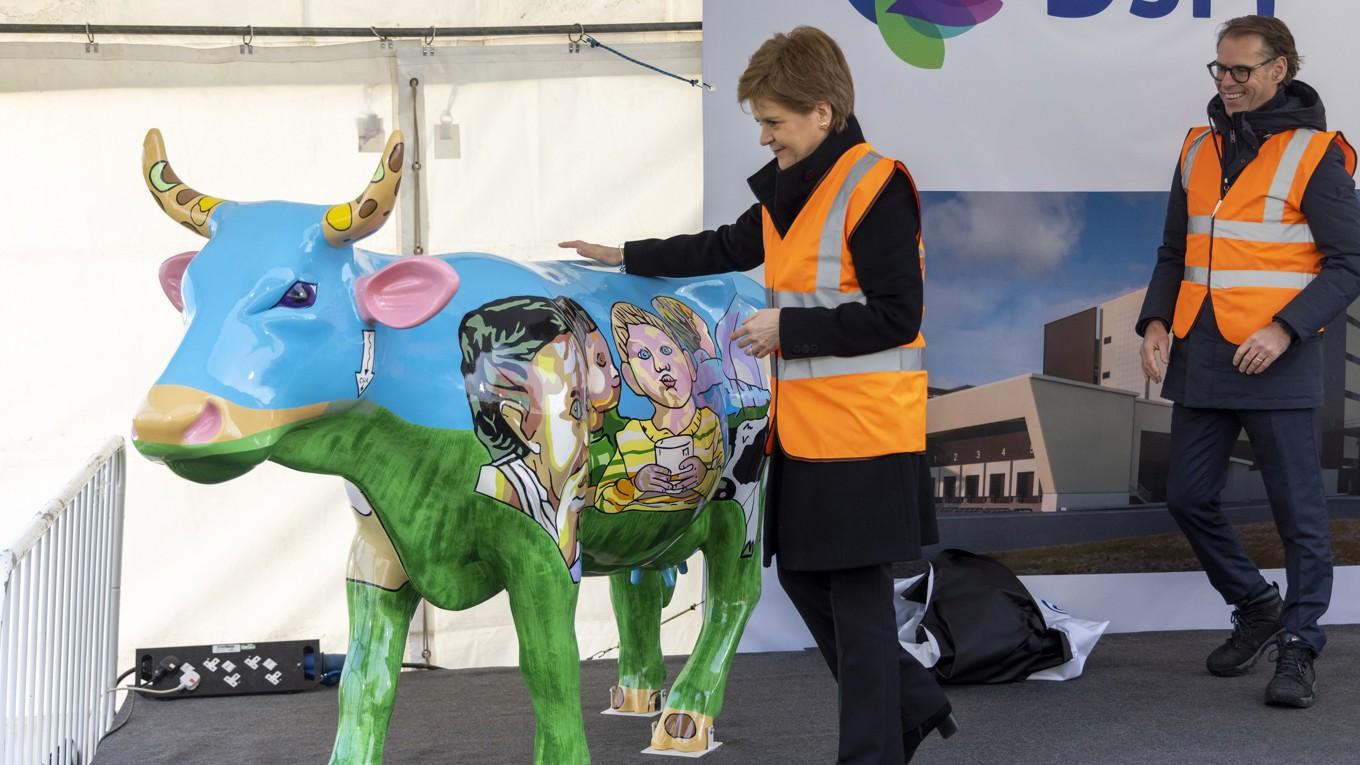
(230, 669)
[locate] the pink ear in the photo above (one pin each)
(172, 276)
(406, 292)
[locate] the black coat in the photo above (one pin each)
(1201, 373)
(828, 515)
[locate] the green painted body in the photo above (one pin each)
(460, 548)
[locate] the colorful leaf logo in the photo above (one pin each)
(915, 30)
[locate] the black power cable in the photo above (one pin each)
(130, 704)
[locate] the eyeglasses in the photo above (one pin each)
(1240, 73)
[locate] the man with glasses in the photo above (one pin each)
(1261, 251)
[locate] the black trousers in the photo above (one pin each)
(882, 690)
(1286, 448)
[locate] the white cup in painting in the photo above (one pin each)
(673, 450)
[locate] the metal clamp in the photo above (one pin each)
(247, 41)
(90, 45)
(574, 41)
(384, 42)
(427, 43)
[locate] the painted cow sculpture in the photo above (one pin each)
(499, 426)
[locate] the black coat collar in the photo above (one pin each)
(784, 192)
(1296, 105)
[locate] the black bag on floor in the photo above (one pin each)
(987, 625)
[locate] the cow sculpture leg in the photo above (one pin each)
(378, 621)
(544, 609)
(637, 610)
(733, 589)
(381, 602)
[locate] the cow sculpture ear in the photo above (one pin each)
(172, 277)
(405, 293)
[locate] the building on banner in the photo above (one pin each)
(1092, 431)
(1043, 443)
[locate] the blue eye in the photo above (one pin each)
(644, 354)
(665, 350)
(300, 295)
(576, 410)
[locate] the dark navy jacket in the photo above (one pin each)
(1201, 373)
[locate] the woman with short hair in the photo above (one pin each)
(837, 227)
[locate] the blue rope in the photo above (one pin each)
(597, 44)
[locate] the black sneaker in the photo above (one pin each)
(1256, 624)
(1292, 685)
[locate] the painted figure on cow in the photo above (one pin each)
(671, 459)
(485, 432)
(525, 377)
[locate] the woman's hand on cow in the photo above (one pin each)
(610, 256)
(759, 335)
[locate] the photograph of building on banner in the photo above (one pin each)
(1043, 431)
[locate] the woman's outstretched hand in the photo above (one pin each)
(610, 256)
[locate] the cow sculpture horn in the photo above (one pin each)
(190, 208)
(349, 222)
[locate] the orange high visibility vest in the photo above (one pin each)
(1251, 249)
(834, 407)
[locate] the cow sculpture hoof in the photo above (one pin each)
(635, 702)
(683, 734)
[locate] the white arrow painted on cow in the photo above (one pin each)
(365, 374)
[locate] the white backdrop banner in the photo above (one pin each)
(1042, 95)
(1044, 106)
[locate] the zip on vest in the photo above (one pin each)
(1223, 186)
(1209, 275)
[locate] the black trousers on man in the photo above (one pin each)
(1286, 447)
(883, 691)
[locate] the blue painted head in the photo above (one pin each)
(277, 306)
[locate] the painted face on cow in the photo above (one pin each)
(556, 427)
(658, 368)
(602, 379)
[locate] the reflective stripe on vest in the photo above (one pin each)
(1190, 155)
(822, 298)
(1224, 279)
(1284, 175)
(891, 360)
(828, 294)
(1243, 231)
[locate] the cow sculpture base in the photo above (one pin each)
(476, 409)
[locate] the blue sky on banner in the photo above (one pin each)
(999, 265)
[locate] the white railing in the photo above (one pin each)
(59, 587)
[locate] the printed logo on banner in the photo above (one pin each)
(1147, 9)
(915, 30)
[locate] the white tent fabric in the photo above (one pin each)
(554, 145)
